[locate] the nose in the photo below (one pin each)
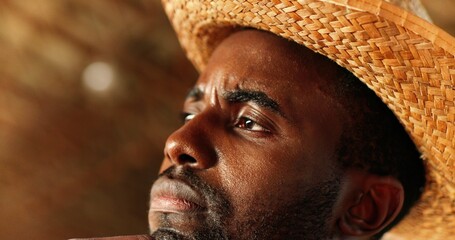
(193, 144)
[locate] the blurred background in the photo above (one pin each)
(89, 91)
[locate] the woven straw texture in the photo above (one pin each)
(406, 60)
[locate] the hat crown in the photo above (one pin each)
(414, 6)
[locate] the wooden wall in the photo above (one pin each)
(77, 160)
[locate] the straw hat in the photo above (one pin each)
(405, 59)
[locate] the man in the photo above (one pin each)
(279, 142)
(262, 152)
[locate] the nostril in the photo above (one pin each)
(185, 158)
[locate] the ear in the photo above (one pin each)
(373, 204)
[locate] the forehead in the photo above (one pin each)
(261, 58)
(261, 61)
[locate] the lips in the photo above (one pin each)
(174, 196)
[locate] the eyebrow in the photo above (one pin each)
(195, 93)
(257, 97)
(240, 96)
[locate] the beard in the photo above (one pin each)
(304, 215)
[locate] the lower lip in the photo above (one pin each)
(172, 205)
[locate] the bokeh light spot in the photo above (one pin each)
(98, 76)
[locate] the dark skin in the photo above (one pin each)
(261, 133)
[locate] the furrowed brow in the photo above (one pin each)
(257, 97)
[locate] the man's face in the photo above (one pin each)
(257, 155)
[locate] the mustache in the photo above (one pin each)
(217, 200)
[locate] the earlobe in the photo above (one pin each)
(378, 204)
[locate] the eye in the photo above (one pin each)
(248, 124)
(186, 117)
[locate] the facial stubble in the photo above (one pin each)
(302, 216)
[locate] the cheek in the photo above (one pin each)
(260, 177)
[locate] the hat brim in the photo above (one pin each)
(406, 60)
